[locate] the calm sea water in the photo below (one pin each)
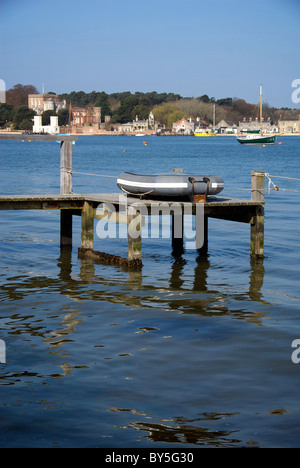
(192, 352)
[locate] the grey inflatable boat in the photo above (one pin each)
(174, 184)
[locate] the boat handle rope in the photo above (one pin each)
(135, 194)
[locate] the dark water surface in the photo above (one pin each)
(192, 352)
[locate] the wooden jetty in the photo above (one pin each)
(87, 206)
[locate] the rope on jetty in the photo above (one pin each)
(275, 187)
(95, 175)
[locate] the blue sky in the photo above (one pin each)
(220, 48)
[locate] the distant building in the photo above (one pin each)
(43, 102)
(253, 125)
(226, 126)
(53, 128)
(289, 126)
(89, 116)
(200, 124)
(183, 127)
(139, 125)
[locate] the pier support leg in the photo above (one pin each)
(257, 233)
(87, 226)
(177, 234)
(66, 161)
(204, 248)
(134, 219)
(66, 228)
(258, 220)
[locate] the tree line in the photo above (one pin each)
(123, 107)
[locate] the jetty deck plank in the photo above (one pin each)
(57, 201)
(37, 137)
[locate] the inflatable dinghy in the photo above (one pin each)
(174, 184)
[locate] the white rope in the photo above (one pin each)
(281, 177)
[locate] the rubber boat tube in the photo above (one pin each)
(174, 184)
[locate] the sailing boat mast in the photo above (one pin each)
(261, 108)
(70, 117)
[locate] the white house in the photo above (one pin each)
(183, 127)
(226, 126)
(53, 128)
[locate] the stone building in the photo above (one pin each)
(43, 102)
(139, 125)
(226, 126)
(289, 126)
(89, 116)
(253, 125)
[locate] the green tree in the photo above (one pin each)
(6, 114)
(26, 125)
(124, 113)
(63, 117)
(23, 113)
(168, 113)
(46, 116)
(141, 110)
(102, 101)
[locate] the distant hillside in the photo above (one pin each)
(123, 107)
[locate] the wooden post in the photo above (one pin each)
(87, 226)
(204, 248)
(177, 234)
(66, 184)
(66, 225)
(66, 189)
(134, 236)
(258, 220)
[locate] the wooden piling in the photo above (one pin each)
(66, 228)
(204, 248)
(87, 226)
(66, 188)
(134, 236)
(258, 220)
(177, 233)
(66, 161)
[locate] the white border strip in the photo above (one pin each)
(152, 185)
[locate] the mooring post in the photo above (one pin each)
(66, 161)
(258, 220)
(134, 220)
(87, 226)
(177, 233)
(66, 188)
(204, 248)
(66, 225)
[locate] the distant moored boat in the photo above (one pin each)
(259, 138)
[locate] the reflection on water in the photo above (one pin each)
(131, 292)
(179, 430)
(207, 301)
